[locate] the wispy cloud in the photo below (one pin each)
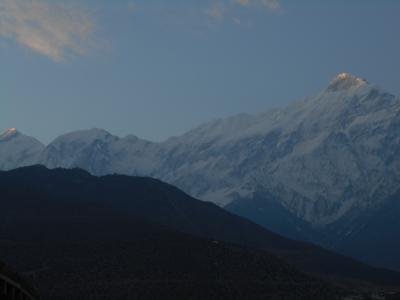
(221, 8)
(50, 29)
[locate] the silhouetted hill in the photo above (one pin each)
(157, 263)
(58, 224)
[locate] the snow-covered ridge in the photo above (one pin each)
(18, 150)
(345, 81)
(323, 157)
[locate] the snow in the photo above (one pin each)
(322, 156)
(17, 150)
(84, 136)
(8, 133)
(344, 81)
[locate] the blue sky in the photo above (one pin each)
(158, 68)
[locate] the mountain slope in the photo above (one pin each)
(17, 149)
(318, 164)
(79, 237)
(267, 211)
(161, 265)
(378, 231)
(66, 205)
(321, 157)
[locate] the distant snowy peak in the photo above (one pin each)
(344, 95)
(85, 136)
(17, 150)
(345, 81)
(9, 133)
(322, 156)
(87, 149)
(13, 136)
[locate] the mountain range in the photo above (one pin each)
(324, 169)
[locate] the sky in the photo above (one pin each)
(157, 68)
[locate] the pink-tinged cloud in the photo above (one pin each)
(47, 28)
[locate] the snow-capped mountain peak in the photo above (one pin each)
(84, 136)
(345, 81)
(11, 130)
(88, 149)
(17, 149)
(8, 133)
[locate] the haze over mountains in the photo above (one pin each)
(322, 169)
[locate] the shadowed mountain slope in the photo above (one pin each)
(68, 205)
